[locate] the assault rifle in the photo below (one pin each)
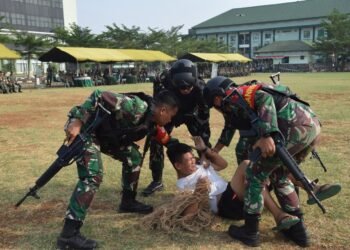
(67, 154)
(146, 148)
(314, 153)
(281, 151)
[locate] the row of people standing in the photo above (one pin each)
(181, 97)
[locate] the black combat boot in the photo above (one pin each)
(130, 205)
(249, 232)
(297, 233)
(71, 237)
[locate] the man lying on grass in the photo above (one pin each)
(225, 198)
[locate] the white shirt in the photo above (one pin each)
(217, 184)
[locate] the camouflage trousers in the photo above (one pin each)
(90, 172)
(298, 145)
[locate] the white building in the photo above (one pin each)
(39, 17)
(246, 30)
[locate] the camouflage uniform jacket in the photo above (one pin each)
(277, 113)
(130, 121)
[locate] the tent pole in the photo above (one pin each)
(214, 69)
(77, 72)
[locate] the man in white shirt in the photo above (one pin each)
(226, 198)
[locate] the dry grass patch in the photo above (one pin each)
(31, 130)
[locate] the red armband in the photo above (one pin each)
(161, 135)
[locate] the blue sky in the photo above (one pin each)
(161, 14)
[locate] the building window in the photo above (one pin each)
(320, 33)
(268, 36)
(256, 37)
(18, 19)
(45, 22)
(32, 1)
(302, 57)
(6, 17)
(57, 3)
(244, 39)
(45, 2)
(285, 59)
(307, 34)
(59, 23)
(33, 21)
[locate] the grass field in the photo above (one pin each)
(31, 130)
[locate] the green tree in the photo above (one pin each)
(168, 41)
(30, 45)
(154, 39)
(122, 37)
(336, 43)
(75, 36)
(173, 43)
(190, 44)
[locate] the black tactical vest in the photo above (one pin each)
(111, 136)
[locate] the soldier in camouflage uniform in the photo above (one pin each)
(247, 138)
(289, 117)
(133, 116)
(182, 80)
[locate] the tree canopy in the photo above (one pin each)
(169, 41)
(29, 45)
(336, 42)
(75, 36)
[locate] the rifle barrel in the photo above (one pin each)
(31, 192)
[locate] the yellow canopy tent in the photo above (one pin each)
(216, 57)
(6, 53)
(79, 54)
(235, 57)
(147, 55)
(204, 57)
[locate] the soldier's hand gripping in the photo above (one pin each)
(199, 143)
(266, 145)
(73, 129)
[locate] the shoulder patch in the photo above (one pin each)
(248, 93)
